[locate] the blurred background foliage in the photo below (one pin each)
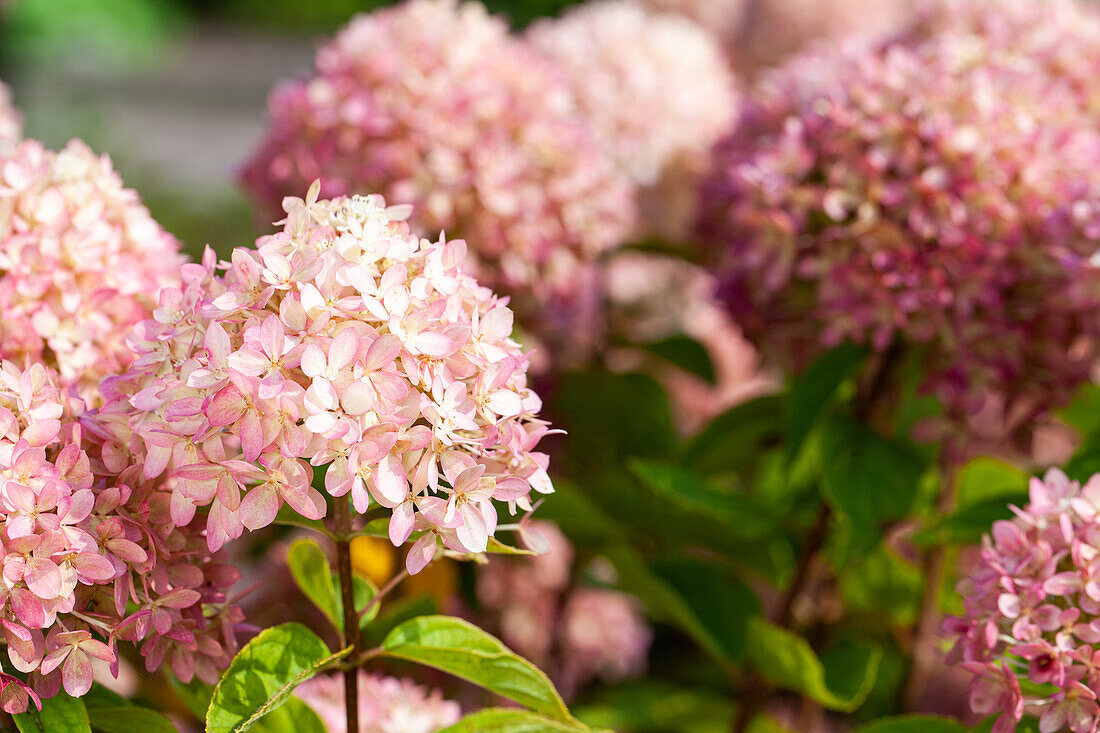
(173, 90)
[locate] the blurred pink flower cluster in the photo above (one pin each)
(576, 633)
(342, 341)
(81, 262)
(91, 558)
(653, 86)
(1032, 605)
(435, 104)
(11, 122)
(942, 192)
(386, 705)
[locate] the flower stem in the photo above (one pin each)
(342, 518)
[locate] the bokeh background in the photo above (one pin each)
(175, 92)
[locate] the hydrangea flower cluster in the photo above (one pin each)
(1059, 35)
(81, 261)
(654, 86)
(941, 192)
(11, 123)
(87, 561)
(341, 341)
(434, 103)
(576, 633)
(1032, 604)
(386, 705)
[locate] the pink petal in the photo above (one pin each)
(382, 352)
(389, 484)
(421, 553)
(259, 507)
(472, 532)
(401, 523)
(43, 577)
(76, 674)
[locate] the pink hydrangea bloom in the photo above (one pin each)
(81, 262)
(576, 633)
(386, 705)
(434, 103)
(866, 196)
(602, 635)
(89, 559)
(655, 86)
(1032, 601)
(11, 123)
(342, 341)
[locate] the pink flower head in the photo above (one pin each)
(1032, 603)
(654, 85)
(386, 705)
(81, 262)
(90, 558)
(433, 103)
(864, 197)
(342, 341)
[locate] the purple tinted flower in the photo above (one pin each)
(942, 193)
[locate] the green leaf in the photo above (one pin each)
(721, 603)
(1086, 461)
(869, 479)
(967, 525)
(787, 661)
(364, 592)
(287, 517)
(735, 438)
(310, 569)
(503, 720)
(375, 528)
(1083, 413)
(396, 613)
(292, 715)
(59, 713)
(496, 547)
(662, 600)
(653, 706)
(882, 589)
(611, 416)
(195, 694)
(128, 719)
(264, 673)
(810, 392)
(462, 649)
(111, 713)
(685, 353)
(913, 724)
(986, 478)
(740, 514)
